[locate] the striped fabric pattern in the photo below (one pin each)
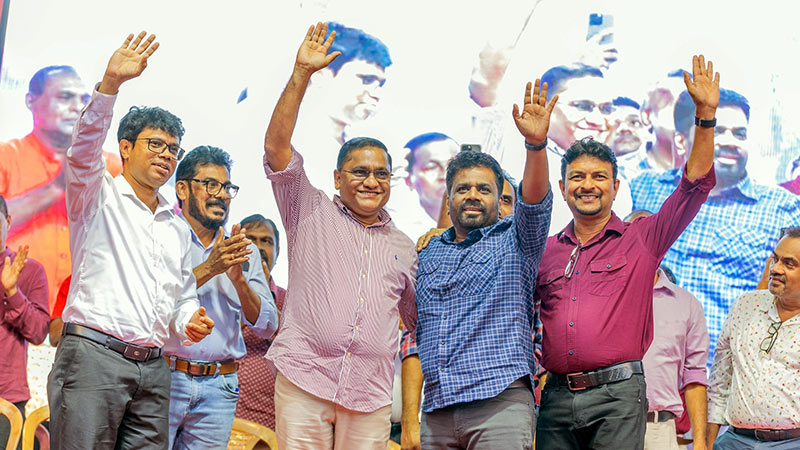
(340, 322)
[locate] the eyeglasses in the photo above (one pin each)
(213, 187)
(772, 336)
(158, 146)
(739, 133)
(363, 174)
(573, 261)
(588, 106)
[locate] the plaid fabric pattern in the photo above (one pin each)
(475, 313)
(722, 253)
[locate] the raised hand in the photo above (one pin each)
(199, 326)
(235, 271)
(313, 53)
(703, 86)
(128, 61)
(534, 121)
(11, 270)
(227, 253)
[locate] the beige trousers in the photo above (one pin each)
(306, 422)
(661, 436)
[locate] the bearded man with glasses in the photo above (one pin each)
(754, 386)
(595, 288)
(132, 283)
(231, 285)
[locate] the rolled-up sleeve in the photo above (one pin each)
(696, 352)
(267, 322)
(719, 386)
(532, 223)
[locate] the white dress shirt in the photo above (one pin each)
(222, 303)
(131, 268)
(750, 388)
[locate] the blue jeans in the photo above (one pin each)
(732, 441)
(201, 410)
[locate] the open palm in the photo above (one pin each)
(313, 53)
(130, 60)
(703, 86)
(11, 269)
(534, 121)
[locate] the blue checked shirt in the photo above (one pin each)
(475, 313)
(722, 253)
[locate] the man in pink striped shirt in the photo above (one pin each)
(349, 266)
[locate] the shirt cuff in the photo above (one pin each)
(546, 203)
(267, 321)
(16, 301)
(694, 376)
(704, 183)
(292, 170)
(716, 414)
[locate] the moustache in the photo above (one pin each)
(775, 276)
(472, 204)
(219, 203)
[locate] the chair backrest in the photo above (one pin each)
(15, 418)
(32, 422)
(246, 434)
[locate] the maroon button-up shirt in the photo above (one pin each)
(23, 318)
(603, 313)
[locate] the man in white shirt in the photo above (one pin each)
(754, 385)
(132, 282)
(232, 286)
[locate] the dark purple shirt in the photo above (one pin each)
(23, 318)
(603, 314)
(793, 186)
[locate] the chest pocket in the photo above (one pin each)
(428, 281)
(605, 275)
(476, 274)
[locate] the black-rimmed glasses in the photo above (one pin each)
(772, 336)
(158, 146)
(213, 187)
(363, 174)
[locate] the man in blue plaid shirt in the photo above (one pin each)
(473, 315)
(721, 253)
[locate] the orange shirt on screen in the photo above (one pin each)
(27, 164)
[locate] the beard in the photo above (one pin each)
(209, 223)
(475, 222)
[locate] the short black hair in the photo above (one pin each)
(42, 76)
(258, 218)
(416, 142)
(792, 232)
(590, 147)
(358, 143)
(140, 117)
(3, 206)
(356, 44)
(668, 272)
(467, 160)
(201, 156)
(684, 111)
(557, 77)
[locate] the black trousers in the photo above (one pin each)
(102, 400)
(610, 416)
(5, 426)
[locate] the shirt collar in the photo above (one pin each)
(615, 224)
(449, 236)
(383, 216)
(127, 190)
(663, 283)
(745, 186)
(196, 239)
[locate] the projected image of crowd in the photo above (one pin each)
(469, 318)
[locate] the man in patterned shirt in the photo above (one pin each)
(473, 316)
(754, 386)
(721, 253)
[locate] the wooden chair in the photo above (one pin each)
(15, 418)
(31, 426)
(245, 435)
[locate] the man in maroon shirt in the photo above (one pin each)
(595, 287)
(23, 319)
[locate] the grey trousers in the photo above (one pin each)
(611, 416)
(732, 441)
(101, 400)
(504, 422)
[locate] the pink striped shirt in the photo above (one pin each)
(338, 333)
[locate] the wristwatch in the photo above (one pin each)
(705, 123)
(537, 147)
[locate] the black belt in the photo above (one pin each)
(130, 351)
(659, 416)
(579, 381)
(768, 435)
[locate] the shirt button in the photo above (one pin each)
(356, 327)
(608, 266)
(574, 298)
(571, 323)
(348, 354)
(361, 299)
(365, 252)
(363, 275)
(577, 271)
(571, 352)
(548, 278)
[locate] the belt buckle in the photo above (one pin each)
(569, 382)
(762, 435)
(135, 353)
